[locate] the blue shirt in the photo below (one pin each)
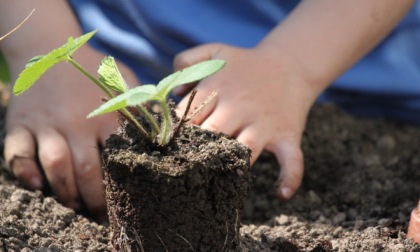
(147, 34)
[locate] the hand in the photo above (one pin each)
(47, 126)
(262, 101)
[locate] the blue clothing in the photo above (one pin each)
(147, 34)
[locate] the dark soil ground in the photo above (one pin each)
(187, 194)
(361, 182)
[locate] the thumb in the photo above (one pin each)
(290, 157)
(195, 55)
(190, 57)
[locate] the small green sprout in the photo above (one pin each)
(111, 81)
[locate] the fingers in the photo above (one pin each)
(183, 89)
(88, 174)
(251, 137)
(221, 120)
(287, 150)
(55, 158)
(19, 153)
(195, 55)
(200, 97)
(190, 57)
(290, 157)
(272, 118)
(257, 137)
(71, 168)
(225, 118)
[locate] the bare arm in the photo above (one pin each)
(327, 37)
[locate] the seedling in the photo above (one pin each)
(111, 82)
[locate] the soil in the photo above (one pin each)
(360, 184)
(186, 195)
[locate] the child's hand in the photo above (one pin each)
(262, 101)
(47, 126)
(48, 132)
(265, 93)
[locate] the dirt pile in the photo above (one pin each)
(360, 184)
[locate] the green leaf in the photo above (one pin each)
(33, 60)
(79, 41)
(4, 70)
(190, 74)
(132, 97)
(38, 65)
(110, 75)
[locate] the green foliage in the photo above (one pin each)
(110, 79)
(144, 93)
(187, 75)
(38, 65)
(132, 97)
(4, 70)
(160, 92)
(110, 75)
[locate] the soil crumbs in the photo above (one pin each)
(360, 185)
(187, 194)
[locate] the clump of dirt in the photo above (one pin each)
(31, 222)
(185, 196)
(360, 184)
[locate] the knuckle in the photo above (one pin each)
(58, 180)
(84, 170)
(54, 161)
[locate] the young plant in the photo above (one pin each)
(111, 82)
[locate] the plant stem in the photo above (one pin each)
(151, 119)
(96, 81)
(129, 116)
(166, 124)
(133, 120)
(187, 109)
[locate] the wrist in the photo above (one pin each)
(304, 80)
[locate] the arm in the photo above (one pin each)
(274, 84)
(327, 37)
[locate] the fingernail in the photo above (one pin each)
(286, 192)
(36, 183)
